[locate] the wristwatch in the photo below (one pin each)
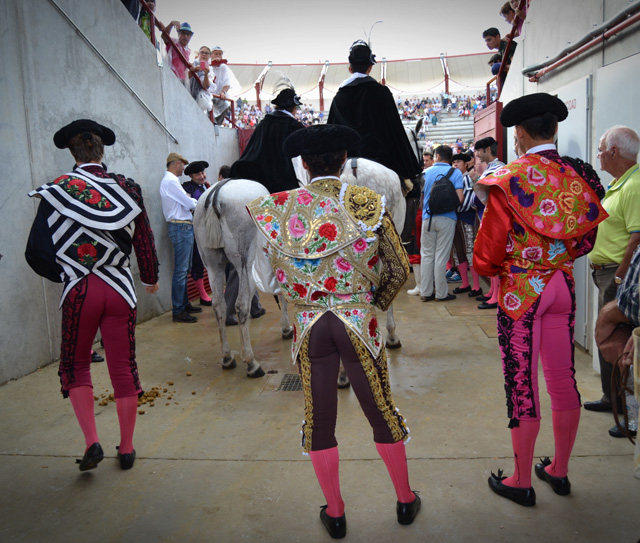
(617, 280)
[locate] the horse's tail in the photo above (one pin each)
(213, 229)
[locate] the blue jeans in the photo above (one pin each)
(181, 236)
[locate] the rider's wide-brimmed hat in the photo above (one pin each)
(322, 139)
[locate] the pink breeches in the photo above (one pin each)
(544, 332)
(89, 305)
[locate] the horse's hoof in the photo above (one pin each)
(256, 373)
(343, 381)
(393, 345)
(229, 362)
(288, 333)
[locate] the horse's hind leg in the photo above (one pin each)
(393, 341)
(243, 303)
(215, 265)
(285, 325)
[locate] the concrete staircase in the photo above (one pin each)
(450, 127)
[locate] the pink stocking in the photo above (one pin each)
(476, 279)
(463, 269)
(203, 292)
(325, 463)
(495, 289)
(395, 458)
(127, 410)
(523, 439)
(82, 402)
(565, 428)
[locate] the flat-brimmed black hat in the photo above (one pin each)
(321, 139)
(462, 156)
(286, 99)
(360, 53)
(532, 105)
(82, 126)
(196, 167)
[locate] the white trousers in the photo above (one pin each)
(435, 250)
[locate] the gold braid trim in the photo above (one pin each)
(364, 206)
(377, 374)
(304, 368)
(395, 264)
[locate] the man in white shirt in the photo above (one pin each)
(177, 208)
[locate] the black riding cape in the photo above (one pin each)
(369, 108)
(264, 152)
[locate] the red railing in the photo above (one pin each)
(192, 71)
(502, 73)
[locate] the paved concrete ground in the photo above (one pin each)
(219, 457)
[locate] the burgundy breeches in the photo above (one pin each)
(329, 343)
(89, 305)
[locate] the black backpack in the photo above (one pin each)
(443, 196)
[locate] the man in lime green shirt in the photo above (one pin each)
(619, 234)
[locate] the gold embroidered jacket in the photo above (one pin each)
(332, 247)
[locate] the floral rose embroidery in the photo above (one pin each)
(281, 198)
(548, 207)
(330, 284)
(373, 261)
(78, 184)
(512, 302)
(534, 177)
(316, 295)
(576, 187)
(571, 222)
(343, 265)
(300, 289)
(566, 201)
(87, 254)
(296, 226)
(509, 246)
(360, 246)
(532, 253)
(304, 198)
(94, 197)
(274, 234)
(328, 230)
(281, 276)
(373, 327)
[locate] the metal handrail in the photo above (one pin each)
(194, 73)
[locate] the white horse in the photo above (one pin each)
(225, 233)
(367, 173)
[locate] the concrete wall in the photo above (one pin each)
(52, 71)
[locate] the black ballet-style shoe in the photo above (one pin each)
(560, 485)
(126, 459)
(336, 526)
(522, 496)
(91, 458)
(407, 511)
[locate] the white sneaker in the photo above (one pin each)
(415, 291)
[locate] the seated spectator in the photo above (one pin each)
(184, 37)
(200, 86)
(222, 80)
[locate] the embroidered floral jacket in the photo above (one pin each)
(94, 220)
(332, 247)
(541, 215)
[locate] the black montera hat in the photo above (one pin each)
(360, 53)
(196, 167)
(532, 105)
(81, 126)
(321, 139)
(462, 156)
(286, 99)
